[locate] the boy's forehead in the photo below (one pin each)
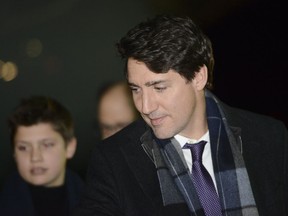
(37, 126)
(35, 132)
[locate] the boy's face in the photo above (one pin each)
(40, 153)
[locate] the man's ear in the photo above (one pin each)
(201, 77)
(71, 148)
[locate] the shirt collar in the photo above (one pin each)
(183, 140)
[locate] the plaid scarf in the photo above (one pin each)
(232, 179)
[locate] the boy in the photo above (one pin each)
(42, 136)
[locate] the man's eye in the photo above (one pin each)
(134, 90)
(160, 89)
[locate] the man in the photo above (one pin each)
(146, 169)
(115, 108)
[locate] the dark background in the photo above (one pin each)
(78, 55)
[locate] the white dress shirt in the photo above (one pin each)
(206, 157)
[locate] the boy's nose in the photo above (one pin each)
(36, 154)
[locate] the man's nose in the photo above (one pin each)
(148, 103)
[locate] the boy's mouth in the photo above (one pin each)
(38, 171)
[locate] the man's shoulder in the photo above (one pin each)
(127, 138)
(247, 115)
(123, 146)
(253, 121)
(132, 132)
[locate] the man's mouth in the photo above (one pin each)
(156, 121)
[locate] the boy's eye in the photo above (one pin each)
(22, 148)
(48, 144)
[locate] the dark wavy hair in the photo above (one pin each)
(41, 109)
(168, 42)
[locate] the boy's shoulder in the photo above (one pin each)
(71, 175)
(73, 180)
(15, 193)
(14, 181)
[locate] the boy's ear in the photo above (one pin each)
(201, 78)
(71, 148)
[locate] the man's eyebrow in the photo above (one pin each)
(151, 83)
(131, 84)
(148, 84)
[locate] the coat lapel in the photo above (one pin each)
(138, 156)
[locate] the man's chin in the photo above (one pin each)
(161, 134)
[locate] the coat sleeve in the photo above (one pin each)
(100, 195)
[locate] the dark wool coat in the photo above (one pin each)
(16, 200)
(122, 179)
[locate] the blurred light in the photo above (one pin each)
(9, 71)
(34, 48)
(1, 66)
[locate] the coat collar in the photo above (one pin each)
(139, 160)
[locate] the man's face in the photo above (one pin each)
(166, 101)
(115, 111)
(40, 155)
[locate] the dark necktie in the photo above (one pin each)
(203, 182)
